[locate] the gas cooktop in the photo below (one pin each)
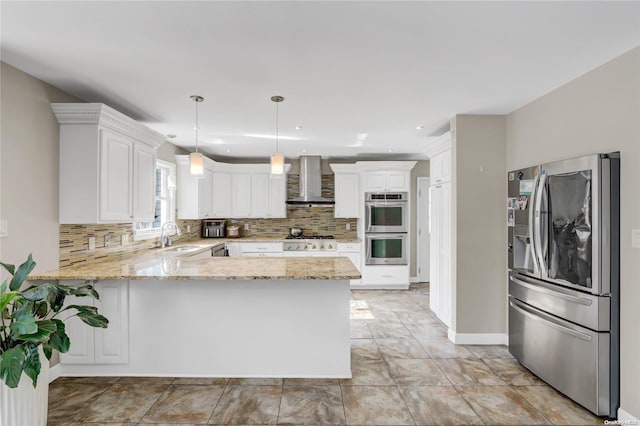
(310, 243)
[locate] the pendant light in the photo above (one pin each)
(196, 160)
(277, 159)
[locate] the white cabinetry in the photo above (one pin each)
(261, 249)
(205, 192)
(386, 181)
(353, 252)
(440, 286)
(347, 190)
(194, 194)
(107, 165)
(382, 276)
(100, 345)
(221, 194)
(240, 195)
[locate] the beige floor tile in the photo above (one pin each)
(501, 405)
(428, 331)
(205, 381)
(389, 330)
(243, 404)
(146, 380)
(375, 405)
(434, 405)
(467, 372)
(401, 348)
(512, 372)
(311, 382)
(95, 380)
(444, 348)
(360, 329)
(489, 351)
(184, 404)
(365, 349)
(312, 405)
(123, 403)
(256, 381)
(418, 372)
(559, 409)
(369, 372)
(67, 400)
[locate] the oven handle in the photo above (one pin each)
(555, 293)
(547, 320)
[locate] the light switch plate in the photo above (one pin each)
(125, 239)
(246, 226)
(635, 238)
(348, 226)
(92, 243)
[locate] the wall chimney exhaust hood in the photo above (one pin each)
(310, 183)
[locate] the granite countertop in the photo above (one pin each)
(167, 264)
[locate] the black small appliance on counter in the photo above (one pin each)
(214, 228)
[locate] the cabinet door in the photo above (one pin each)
(144, 182)
(375, 181)
(278, 196)
(240, 195)
(434, 258)
(116, 154)
(112, 343)
(80, 334)
(205, 194)
(445, 256)
(260, 195)
(346, 193)
(397, 181)
(221, 194)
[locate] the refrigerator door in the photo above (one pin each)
(587, 310)
(573, 195)
(521, 191)
(572, 359)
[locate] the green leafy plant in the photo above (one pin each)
(29, 318)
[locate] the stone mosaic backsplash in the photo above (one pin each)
(74, 241)
(317, 220)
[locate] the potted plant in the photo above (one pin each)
(30, 329)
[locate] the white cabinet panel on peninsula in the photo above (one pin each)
(107, 165)
(100, 345)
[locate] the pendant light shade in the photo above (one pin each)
(277, 159)
(196, 159)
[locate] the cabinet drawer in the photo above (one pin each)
(386, 275)
(260, 247)
(349, 247)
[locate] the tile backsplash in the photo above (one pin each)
(317, 220)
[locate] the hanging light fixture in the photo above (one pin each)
(196, 160)
(277, 159)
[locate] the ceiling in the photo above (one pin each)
(364, 80)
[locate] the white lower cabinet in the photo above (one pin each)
(109, 345)
(382, 276)
(353, 252)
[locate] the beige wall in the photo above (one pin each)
(29, 173)
(598, 112)
(480, 221)
(421, 169)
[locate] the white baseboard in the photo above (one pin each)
(478, 338)
(54, 372)
(414, 280)
(624, 417)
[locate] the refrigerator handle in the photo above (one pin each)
(548, 320)
(532, 236)
(540, 216)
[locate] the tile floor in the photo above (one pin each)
(405, 372)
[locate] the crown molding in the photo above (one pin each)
(107, 117)
(439, 145)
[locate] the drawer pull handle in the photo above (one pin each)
(387, 276)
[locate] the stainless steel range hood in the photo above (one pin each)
(310, 183)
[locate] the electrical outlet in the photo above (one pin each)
(246, 226)
(107, 240)
(188, 228)
(348, 227)
(125, 239)
(92, 243)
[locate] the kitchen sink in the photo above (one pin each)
(182, 248)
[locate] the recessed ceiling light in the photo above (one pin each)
(171, 136)
(298, 127)
(389, 150)
(419, 127)
(227, 150)
(304, 150)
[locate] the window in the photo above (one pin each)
(165, 202)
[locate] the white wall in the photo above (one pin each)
(598, 112)
(29, 171)
(479, 218)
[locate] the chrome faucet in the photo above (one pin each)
(165, 240)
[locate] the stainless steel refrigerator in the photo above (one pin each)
(564, 276)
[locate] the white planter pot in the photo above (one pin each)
(25, 405)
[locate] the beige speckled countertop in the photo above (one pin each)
(162, 264)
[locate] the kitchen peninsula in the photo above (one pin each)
(213, 317)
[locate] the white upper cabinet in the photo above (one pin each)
(441, 167)
(221, 194)
(267, 193)
(205, 193)
(194, 194)
(107, 165)
(386, 176)
(240, 195)
(260, 206)
(278, 196)
(347, 194)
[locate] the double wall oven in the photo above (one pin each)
(564, 279)
(386, 226)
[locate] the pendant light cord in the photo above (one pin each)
(196, 102)
(277, 126)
